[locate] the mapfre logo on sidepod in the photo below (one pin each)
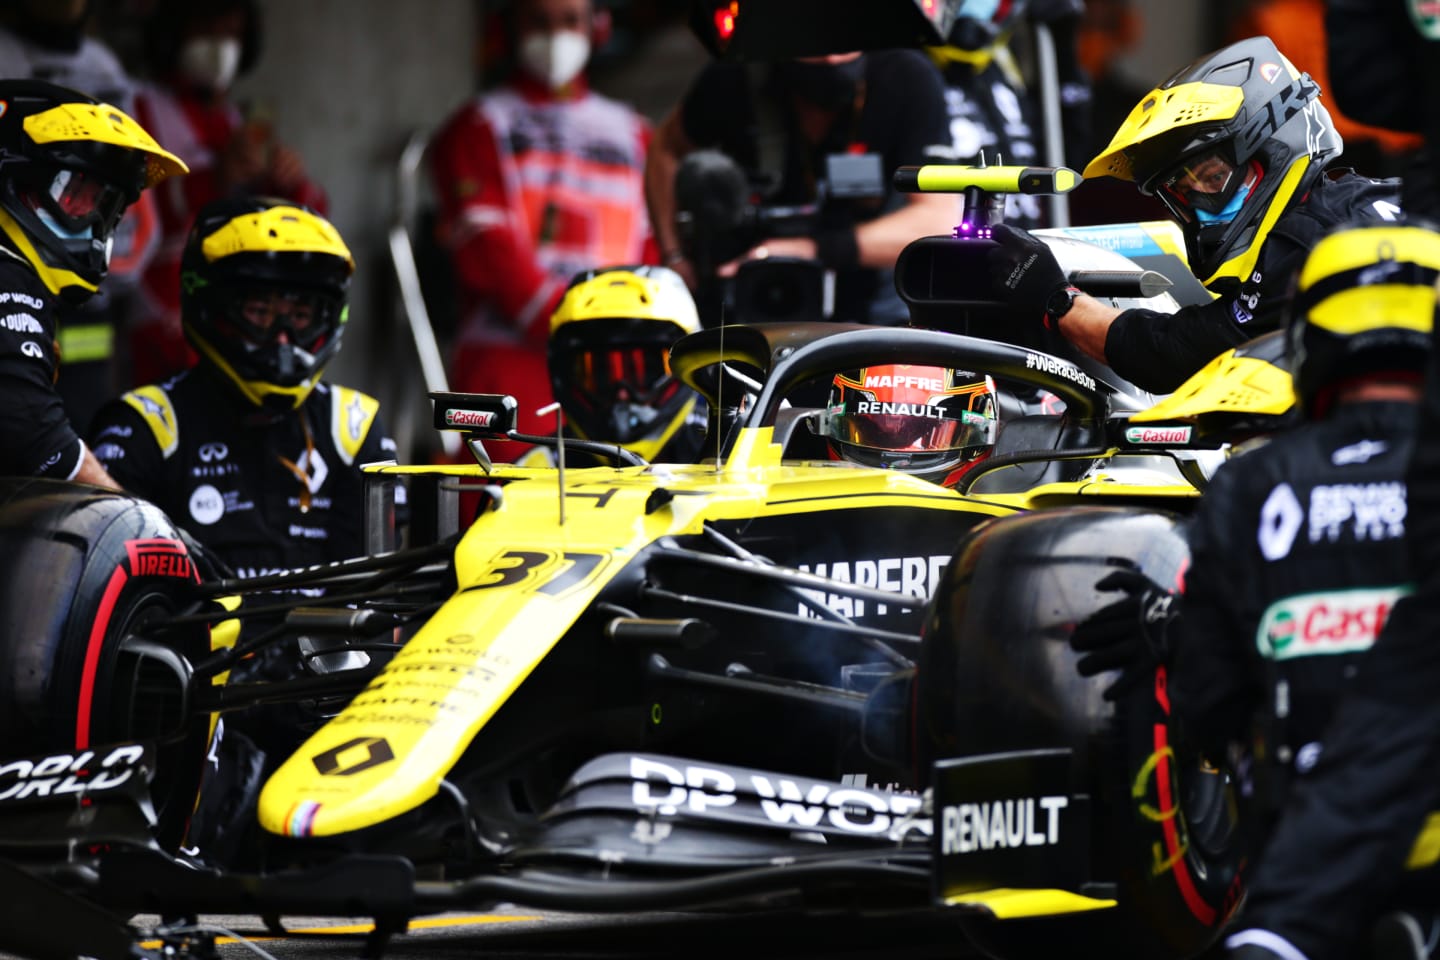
(469, 418)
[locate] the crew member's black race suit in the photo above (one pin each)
(1297, 559)
(1350, 830)
(36, 438)
(1159, 351)
(898, 113)
(264, 493)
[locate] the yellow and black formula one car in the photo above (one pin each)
(755, 680)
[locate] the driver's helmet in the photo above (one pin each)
(1226, 143)
(984, 24)
(264, 286)
(71, 165)
(609, 359)
(1364, 305)
(933, 422)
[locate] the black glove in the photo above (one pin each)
(1128, 635)
(1023, 271)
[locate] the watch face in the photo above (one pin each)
(1059, 304)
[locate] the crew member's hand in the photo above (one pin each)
(1128, 635)
(802, 248)
(1023, 271)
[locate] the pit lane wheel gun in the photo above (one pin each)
(940, 271)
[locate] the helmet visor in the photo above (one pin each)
(636, 374)
(882, 425)
(75, 202)
(260, 313)
(1206, 182)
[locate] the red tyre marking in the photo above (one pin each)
(1202, 910)
(92, 655)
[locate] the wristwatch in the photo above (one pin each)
(1060, 303)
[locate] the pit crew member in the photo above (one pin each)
(250, 450)
(781, 127)
(609, 361)
(536, 180)
(1297, 550)
(1237, 146)
(71, 167)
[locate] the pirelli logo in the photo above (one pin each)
(158, 557)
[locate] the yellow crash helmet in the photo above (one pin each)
(1226, 143)
(72, 165)
(264, 287)
(1364, 304)
(609, 360)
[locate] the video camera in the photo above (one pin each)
(719, 217)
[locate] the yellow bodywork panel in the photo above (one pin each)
(1014, 904)
(523, 580)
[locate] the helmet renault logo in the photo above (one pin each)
(1269, 71)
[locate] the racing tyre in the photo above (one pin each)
(997, 674)
(83, 571)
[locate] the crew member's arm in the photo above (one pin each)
(668, 145)
(36, 438)
(91, 471)
(123, 446)
(1155, 351)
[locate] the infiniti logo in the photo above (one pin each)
(213, 452)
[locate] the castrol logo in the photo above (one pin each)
(469, 418)
(1158, 435)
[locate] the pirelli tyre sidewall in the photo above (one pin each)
(81, 569)
(997, 674)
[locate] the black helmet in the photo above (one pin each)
(929, 421)
(1226, 143)
(1364, 304)
(257, 268)
(69, 166)
(984, 24)
(609, 359)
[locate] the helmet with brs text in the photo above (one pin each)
(1364, 306)
(609, 359)
(1226, 143)
(930, 421)
(263, 296)
(71, 165)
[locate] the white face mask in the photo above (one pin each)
(555, 58)
(210, 62)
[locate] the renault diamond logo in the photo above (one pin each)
(362, 753)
